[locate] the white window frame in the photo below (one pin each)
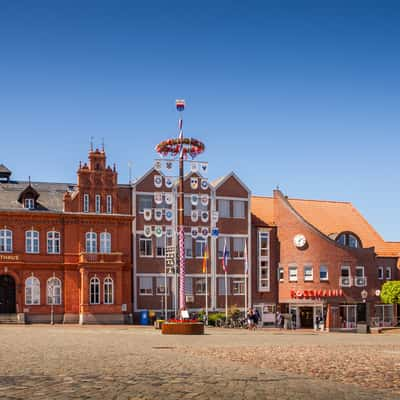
(200, 287)
(94, 290)
(97, 204)
(238, 254)
(238, 287)
(85, 202)
(188, 286)
(160, 286)
(56, 294)
(53, 242)
(109, 204)
(221, 286)
(108, 290)
(145, 285)
(239, 209)
(327, 273)
(388, 276)
(224, 208)
(380, 273)
(29, 203)
(32, 291)
(263, 261)
(6, 241)
(345, 268)
(188, 239)
(202, 242)
(105, 242)
(91, 242)
(221, 244)
(281, 272)
(146, 198)
(32, 244)
(311, 277)
(293, 277)
(160, 241)
(147, 241)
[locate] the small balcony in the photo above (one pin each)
(90, 258)
(360, 281)
(345, 281)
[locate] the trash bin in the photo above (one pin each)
(144, 317)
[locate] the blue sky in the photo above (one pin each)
(300, 94)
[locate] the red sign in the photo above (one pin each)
(306, 294)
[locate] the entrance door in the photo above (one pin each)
(7, 295)
(307, 317)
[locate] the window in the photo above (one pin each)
(292, 274)
(29, 203)
(32, 241)
(238, 247)
(221, 286)
(238, 209)
(221, 244)
(145, 201)
(188, 285)
(345, 278)
(281, 274)
(32, 291)
(238, 286)
(380, 272)
(108, 291)
(308, 273)
(187, 207)
(109, 204)
(349, 240)
(201, 286)
(91, 242)
(98, 203)
(200, 247)
(5, 241)
(145, 246)
(263, 262)
(54, 291)
(105, 242)
(188, 246)
(94, 290)
(146, 285)
(53, 242)
(224, 208)
(388, 273)
(85, 203)
(160, 246)
(323, 273)
(360, 279)
(161, 285)
(360, 272)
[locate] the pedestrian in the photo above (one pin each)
(278, 319)
(257, 317)
(250, 319)
(317, 322)
(293, 320)
(282, 321)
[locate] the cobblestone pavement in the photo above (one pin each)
(73, 362)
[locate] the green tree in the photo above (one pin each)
(390, 293)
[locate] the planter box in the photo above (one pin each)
(182, 328)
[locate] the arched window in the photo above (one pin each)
(105, 242)
(349, 240)
(32, 291)
(94, 290)
(54, 291)
(32, 241)
(108, 291)
(5, 241)
(53, 242)
(91, 242)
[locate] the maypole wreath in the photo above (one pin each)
(189, 146)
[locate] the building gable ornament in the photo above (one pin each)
(299, 240)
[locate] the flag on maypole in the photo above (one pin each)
(205, 257)
(225, 258)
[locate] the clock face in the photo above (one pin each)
(299, 240)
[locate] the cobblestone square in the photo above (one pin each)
(125, 362)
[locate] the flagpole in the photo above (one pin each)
(245, 278)
(206, 297)
(226, 297)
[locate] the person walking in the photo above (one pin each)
(250, 319)
(281, 321)
(257, 317)
(293, 321)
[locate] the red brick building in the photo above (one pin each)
(65, 249)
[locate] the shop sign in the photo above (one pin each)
(9, 258)
(306, 294)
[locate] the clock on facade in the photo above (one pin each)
(299, 240)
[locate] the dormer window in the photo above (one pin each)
(349, 240)
(29, 204)
(28, 197)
